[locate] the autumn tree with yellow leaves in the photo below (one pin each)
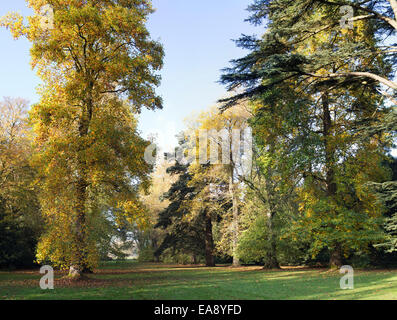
(229, 144)
(98, 67)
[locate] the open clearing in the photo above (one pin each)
(133, 281)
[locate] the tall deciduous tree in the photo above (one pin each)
(98, 66)
(225, 149)
(274, 175)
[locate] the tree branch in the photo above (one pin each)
(386, 82)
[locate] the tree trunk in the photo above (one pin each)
(79, 266)
(209, 242)
(336, 259)
(79, 259)
(155, 248)
(336, 250)
(329, 149)
(235, 226)
(271, 259)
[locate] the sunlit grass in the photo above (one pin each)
(134, 281)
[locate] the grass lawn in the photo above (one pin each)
(133, 281)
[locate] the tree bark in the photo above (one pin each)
(79, 259)
(271, 259)
(336, 259)
(336, 251)
(329, 149)
(79, 266)
(209, 242)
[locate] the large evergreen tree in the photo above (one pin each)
(290, 72)
(364, 60)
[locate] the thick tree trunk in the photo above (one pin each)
(336, 259)
(79, 259)
(209, 242)
(79, 266)
(271, 259)
(336, 250)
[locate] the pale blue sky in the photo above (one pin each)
(197, 37)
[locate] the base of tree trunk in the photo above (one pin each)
(271, 266)
(336, 259)
(210, 261)
(75, 273)
(236, 265)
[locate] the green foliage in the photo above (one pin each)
(112, 240)
(254, 246)
(21, 223)
(182, 234)
(178, 257)
(387, 194)
(17, 241)
(308, 106)
(146, 254)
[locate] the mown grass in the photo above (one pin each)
(133, 281)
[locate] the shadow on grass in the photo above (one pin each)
(167, 282)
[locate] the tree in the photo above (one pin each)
(98, 67)
(149, 240)
(20, 216)
(382, 15)
(198, 199)
(307, 20)
(268, 245)
(274, 176)
(317, 116)
(183, 234)
(387, 194)
(225, 131)
(211, 202)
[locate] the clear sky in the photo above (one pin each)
(197, 38)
